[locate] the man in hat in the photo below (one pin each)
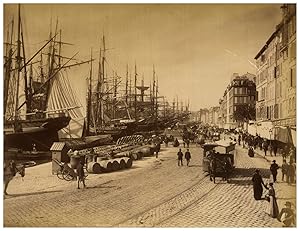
(286, 215)
(80, 174)
(273, 168)
(187, 156)
(179, 157)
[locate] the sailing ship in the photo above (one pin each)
(34, 109)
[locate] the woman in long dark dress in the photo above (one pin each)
(257, 185)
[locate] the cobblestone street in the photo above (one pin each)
(154, 193)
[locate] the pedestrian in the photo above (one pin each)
(291, 173)
(287, 215)
(80, 174)
(157, 148)
(176, 143)
(273, 168)
(284, 169)
(166, 140)
(285, 153)
(272, 208)
(275, 148)
(257, 185)
(265, 147)
(180, 155)
(250, 152)
(239, 139)
(270, 148)
(187, 142)
(187, 156)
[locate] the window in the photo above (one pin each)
(280, 89)
(235, 99)
(293, 50)
(244, 90)
(292, 26)
(293, 78)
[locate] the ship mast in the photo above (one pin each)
(16, 124)
(8, 65)
(89, 98)
(135, 100)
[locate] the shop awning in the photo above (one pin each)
(283, 134)
(293, 133)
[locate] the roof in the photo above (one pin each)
(268, 42)
(57, 146)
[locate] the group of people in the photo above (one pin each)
(266, 145)
(187, 156)
(286, 215)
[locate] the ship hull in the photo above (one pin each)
(42, 137)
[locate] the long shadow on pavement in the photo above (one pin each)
(246, 172)
(9, 196)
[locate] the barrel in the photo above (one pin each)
(146, 151)
(115, 165)
(129, 163)
(90, 158)
(106, 165)
(94, 167)
(140, 155)
(122, 164)
(134, 156)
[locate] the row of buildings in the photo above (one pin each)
(265, 103)
(276, 81)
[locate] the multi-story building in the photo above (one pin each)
(276, 80)
(213, 114)
(204, 116)
(241, 92)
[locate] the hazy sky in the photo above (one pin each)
(195, 48)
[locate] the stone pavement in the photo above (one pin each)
(217, 205)
(284, 192)
(154, 193)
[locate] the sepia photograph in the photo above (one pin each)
(135, 115)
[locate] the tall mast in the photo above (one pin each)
(88, 113)
(156, 103)
(130, 87)
(135, 101)
(177, 109)
(8, 66)
(126, 86)
(99, 92)
(59, 48)
(103, 79)
(115, 94)
(28, 109)
(153, 91)
(18, 69)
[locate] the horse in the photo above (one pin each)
(10, 172)
(224, 166)
(212, 169)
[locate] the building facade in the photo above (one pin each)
(276, 79)
(240, 95)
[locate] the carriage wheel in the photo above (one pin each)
(67, 176)
(60, 175)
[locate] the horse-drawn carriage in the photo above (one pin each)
(218, 159)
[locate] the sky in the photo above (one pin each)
(195, 48)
